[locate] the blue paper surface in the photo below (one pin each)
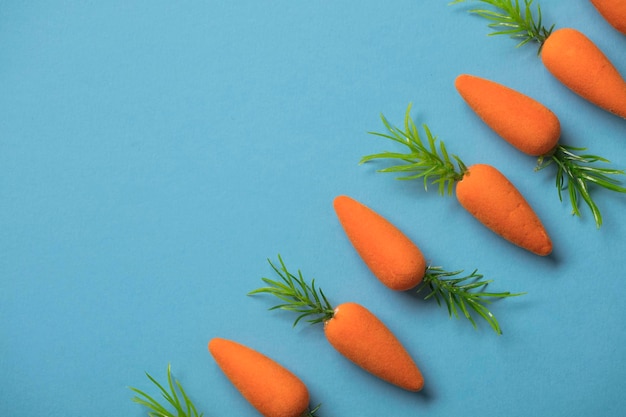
(155, 154)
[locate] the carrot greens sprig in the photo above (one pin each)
(271, 388)
(424, 161)
(575, 173)
(184, 408)
(298, 295)
(462, 293)
(514, 19)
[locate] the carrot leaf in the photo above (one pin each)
(514, 20)
(297, 295)
(423, 160)
(184, 409)
(575, 173)
(311, 413)
(464, 294)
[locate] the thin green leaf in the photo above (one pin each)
(459, 294)
(510, 19)
(429, 161)
(298, 295)
(187, 409)
(576, 172)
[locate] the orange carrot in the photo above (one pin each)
(350, 328)
(522, 121)
(391, 256)
(361, 337)
(614, 11)
(580, 65)
(493, 200)
(272, 389)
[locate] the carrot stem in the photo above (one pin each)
(185, 409)
(311, 412)
(575, 173)
(298, 295)
(462, 293)
(426, 161)
(513, 20)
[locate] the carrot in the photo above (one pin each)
(492, 199)
(272, 389)
(522, 121)
(350, 328)
(361, 337)
(613, 11)
(579, 64)
(568, 55)
(396, 261)
(533, 129)
(483, 191)
(399, 264)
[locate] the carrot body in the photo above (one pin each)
(361, 337)
(522, 121)
(490, 197)
(580, 65)
(390, 255)
(272, 389)
(614, 11)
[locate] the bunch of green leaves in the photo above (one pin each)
(576, 172)
(184, 408)
(514, 19)
(297, 295)
(464, 293)
(423, 160)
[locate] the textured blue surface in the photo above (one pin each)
(154, 154)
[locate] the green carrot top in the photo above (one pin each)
(298, 295)
(575, 173)
(426, 161)
(465, 294)
(176, 398)
(515, 20)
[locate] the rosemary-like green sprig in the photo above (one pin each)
(311, 413)
(575, 173)
(298, 296)
(181, 409)
(515, 20)
(424, 161)
(462, 293)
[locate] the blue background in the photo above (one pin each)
(155, 154)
